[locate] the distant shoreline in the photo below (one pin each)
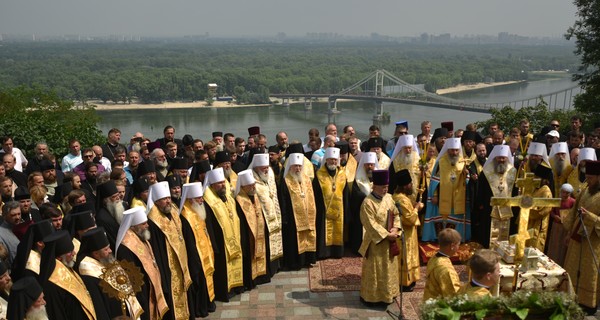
(475, 86)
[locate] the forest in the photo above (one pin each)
(160, 71)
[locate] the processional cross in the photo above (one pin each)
(525, 201)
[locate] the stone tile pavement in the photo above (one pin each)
(288, 296)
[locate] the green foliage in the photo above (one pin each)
(32, 115)
(519, 305)
(539, 116)
(586, 32)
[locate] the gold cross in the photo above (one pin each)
(525, 201)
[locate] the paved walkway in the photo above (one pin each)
(288, 296)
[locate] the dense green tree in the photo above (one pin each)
(31, 115)
(586, 32)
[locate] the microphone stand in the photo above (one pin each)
(587, 237)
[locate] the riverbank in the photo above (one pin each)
(474, 86)
(169, 105)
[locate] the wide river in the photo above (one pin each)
(296, 121)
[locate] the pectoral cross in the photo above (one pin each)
(525, 201)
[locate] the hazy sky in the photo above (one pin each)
(295, 18)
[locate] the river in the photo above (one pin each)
(296, 121)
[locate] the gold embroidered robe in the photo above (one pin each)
(33, 262)
(539, 218)
(559, 180)
(177, 259)
(573, 180)
(474, 291)
(442, 279)
(413, 169)
(143, 251)
(226, 215)
(379, 277)
(135, 202)
(452, 187)
(305, 212)
(579, 251)
(333, 199)
(254, 217)
(384, 161)
(269, 201)
(350, 169)
(68, 280)
(409, 218)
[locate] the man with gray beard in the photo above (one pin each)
(361, 188)
(133, 246)
(161, 164)
(406, 156)
(496, 180)
(223, 160)
(561, 165)
(93, 257)
(110, 213)
(26, 301)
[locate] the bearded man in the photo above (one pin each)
(49, 174)
(360, 189)
(561, 165)
(266, 190)
(159, 158)
(446, 197)
(497, 179)
(539, 217)
(133, 246)
(66, 295)
(468, 140)
(536, 155)
(200, 252)
(347, 162)
(224, 228)
(332, 201)
(26, 301)
(377, 145)
(95, 255)
(405, 156)
(579, 261)
(577, 178)
(110, 213)
(298, 215)
(223, 160)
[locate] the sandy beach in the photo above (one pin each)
(475, 86)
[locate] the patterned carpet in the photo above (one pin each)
(344, 275)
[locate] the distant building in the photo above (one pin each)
(212, 89)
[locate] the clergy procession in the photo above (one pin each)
(163, 229)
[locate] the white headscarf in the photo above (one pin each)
(560, 147)
(361, 175)
(245, 178)
(451, 143)
(213, 176)
(131, 217)
(540, 150)
(190, 191)
(501, 150)
(586, 154)
(403, 141)
(157, 191)
(293, 159)
(259, 160)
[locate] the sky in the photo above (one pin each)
(233, 18)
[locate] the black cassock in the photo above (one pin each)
(198, 298)
(291, 259)
(106, 308)
(60, 304)
(143, 296)
(111, 226)
(333, 251)
(355, 228)
(247, 248)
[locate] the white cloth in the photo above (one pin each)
(131, 217)
(540, 150)
(500, 151)
(587, 154)
(69, 162)
(293, 159)
(157, 191)
(245, 178)
(213, 176)
(403, 141)
(190, 191)
(451, 143)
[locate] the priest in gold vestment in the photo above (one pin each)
(409, 218)
(169, 250)
(379, 283)
(132, 245)
(577, 177)
(406, 156)
(200, 252)
(560, 163)
(579, 261)
(298, 215)
(332, 203)
(539, 217)
(252, 230)
(223, 226)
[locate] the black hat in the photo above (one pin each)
(294, 148)
(41, 229)
(403, 177)
(592, 168)
(469, 135)
(381, 177)
(198, 168)
(252, 131)
(153, 145)
(22, 193)
(543, 172)
(174, 180)
(439, 132)
(82, 221)
(88, 206)
(140, 185)
(274, 149)
(375, 142)
(145, 167)
(187, 140)
(343, 146)
(60, 192)
(46, 165)
(23, 294)
(106, 189)
(93, 240)
(178, 163)
(60, 241)
(448, 125)
(36, 232)
(220, 157)
(217, 134)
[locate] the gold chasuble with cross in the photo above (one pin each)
(226, 215)
(332, 189)
(258, 252)
(452, 187)
(203, 245)
(177, 259)
(305, 212)
(267, 195)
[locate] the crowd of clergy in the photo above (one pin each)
(205, 220)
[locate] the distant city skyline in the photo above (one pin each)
(239, 18)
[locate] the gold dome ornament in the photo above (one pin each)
(121, 280)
